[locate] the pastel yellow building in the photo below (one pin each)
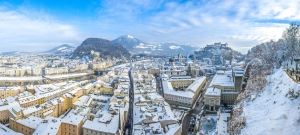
(71, 123)
(25, 126)
(20, 72)
(49, 126)
(15, 113)
(10, 91)
(28, 101)
(4, 111)
(41, 100)
(30, 89)
(72, 97)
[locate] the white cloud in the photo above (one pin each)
(24, 30)
(240, 23)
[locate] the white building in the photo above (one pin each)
(182, 91)
(223, 89)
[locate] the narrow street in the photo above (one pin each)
(187, 119)
(159, 88)
(129, 122)
(196, 110)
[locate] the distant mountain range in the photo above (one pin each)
(127, 42)
(15, 53)
(106, 48)
(9, 53)
(135, 45)
(62, 49)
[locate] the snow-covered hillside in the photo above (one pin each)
(273, 112)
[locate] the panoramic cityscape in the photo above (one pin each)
(149, 67)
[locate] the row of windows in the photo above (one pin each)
(88, 132)
(68, 134)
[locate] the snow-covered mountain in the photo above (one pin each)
(129, 42)
(135, 45)
(62, 49)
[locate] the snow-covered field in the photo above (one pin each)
(273, 112)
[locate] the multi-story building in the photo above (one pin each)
(87, 88)
(20, 72)
(224, 89)
(103, 88)
(212, 99)
(28, 101)
(6, 131)
(4, 111)
(153, 114)
(72, 97)
(99, 65)
(183, 90)
(49, 126)
(10, 91)
(10, 72)
(72, 121)
(36, 71)
(55, 71)
(15, 113)
(25, 126)
(36, 111)
(109, 121)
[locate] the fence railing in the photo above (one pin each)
(292, 77)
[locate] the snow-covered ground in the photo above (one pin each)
(222, 124)
(273, 112)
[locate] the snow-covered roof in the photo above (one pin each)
(189, 92)
(84, 100)
(72, 118)
(49, 126)
(97, 125)
(222, 80)
(31, 122)
(31, 109)
(108, 122)
(164, 76)
(158, 112)
(212, 91)
(7, 131)
(9, 105)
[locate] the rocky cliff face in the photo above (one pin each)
(106, 48)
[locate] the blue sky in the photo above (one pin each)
(35, 25)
